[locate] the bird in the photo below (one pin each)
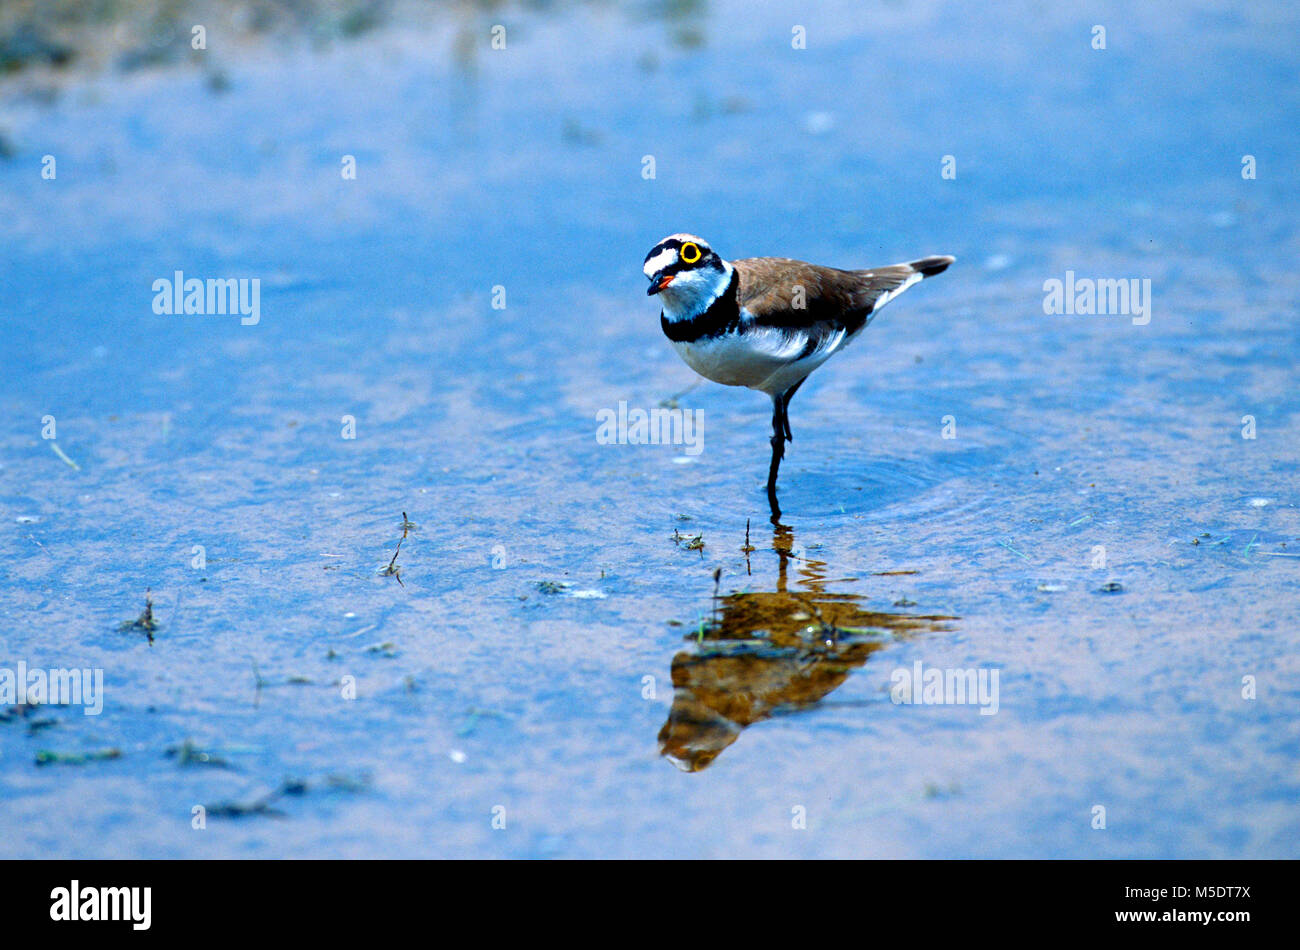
(765, 323)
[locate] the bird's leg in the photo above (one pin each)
(778, 443)
(785, 407)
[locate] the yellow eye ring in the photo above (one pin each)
(687, 250)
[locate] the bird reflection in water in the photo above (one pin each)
(770, 652)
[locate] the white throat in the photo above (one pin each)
(693, 292)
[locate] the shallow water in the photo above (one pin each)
(550, 595)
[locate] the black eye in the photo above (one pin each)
(690, 253)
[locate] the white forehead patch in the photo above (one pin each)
(665, 257)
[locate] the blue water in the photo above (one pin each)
(479, 695)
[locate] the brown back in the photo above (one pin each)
(839, 297)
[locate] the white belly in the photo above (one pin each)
(729, 359)
(767, 360)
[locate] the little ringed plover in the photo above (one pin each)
(767, 322)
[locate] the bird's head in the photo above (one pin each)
(687, 273)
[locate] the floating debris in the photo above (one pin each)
(261, 806)
(187, 753)
(553, 587)
(347, 783)
(20, 711)
(296, 787)
(691, 544)
(145, 621)
(46, 757)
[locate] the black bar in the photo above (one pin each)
(331, 900)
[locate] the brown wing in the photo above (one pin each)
(770, 289)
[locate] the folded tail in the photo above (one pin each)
(883, 284)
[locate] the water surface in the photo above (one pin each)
(551, 593)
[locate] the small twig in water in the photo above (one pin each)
(392, 569)
(1007, 545)
(60, 453)
(46, 757)
(717, 578)
(670, 402)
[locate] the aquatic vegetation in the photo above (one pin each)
(188, 754)
(145, 622)
(47, 757)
